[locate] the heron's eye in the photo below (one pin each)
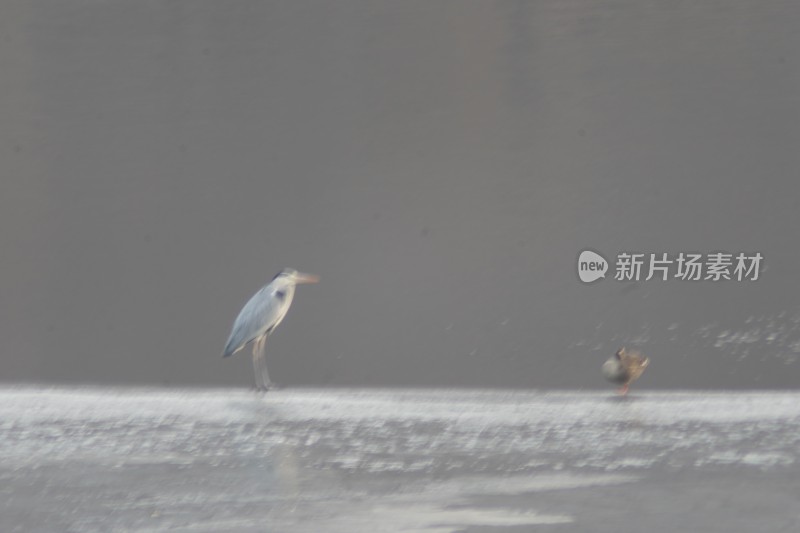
(280, 295)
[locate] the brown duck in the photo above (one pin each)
(624, 367)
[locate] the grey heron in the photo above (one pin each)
(261, 315)
(624, 367)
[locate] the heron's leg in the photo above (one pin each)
(263, 382)
(258, 358)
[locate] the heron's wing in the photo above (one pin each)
(258, 316)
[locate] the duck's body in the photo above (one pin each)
(624, 367)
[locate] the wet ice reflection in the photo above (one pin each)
(353, 459)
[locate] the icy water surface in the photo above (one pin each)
(99, 460)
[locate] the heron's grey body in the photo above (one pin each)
(260, 316)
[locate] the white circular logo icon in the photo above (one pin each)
(591, 266)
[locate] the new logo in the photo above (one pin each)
(591, 266)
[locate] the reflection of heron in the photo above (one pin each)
(624, 368)
(261, 315)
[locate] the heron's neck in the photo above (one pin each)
(287, 288)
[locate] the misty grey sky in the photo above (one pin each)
(439, 164)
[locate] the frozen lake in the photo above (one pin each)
(346, 460)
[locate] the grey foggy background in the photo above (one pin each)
(439, 164)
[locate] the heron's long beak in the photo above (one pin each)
(306, 278)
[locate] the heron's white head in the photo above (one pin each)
(290, 275)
